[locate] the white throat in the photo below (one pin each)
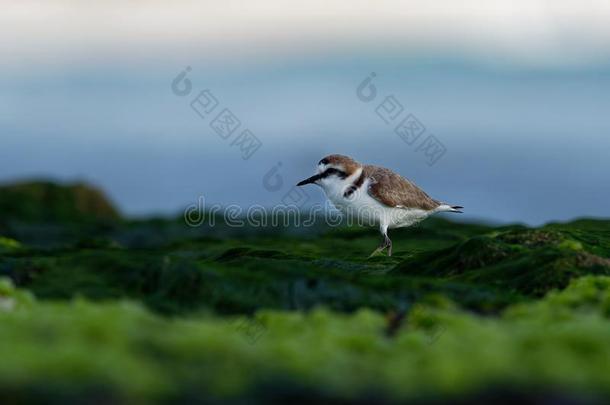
(334, 187)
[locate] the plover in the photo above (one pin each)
(374, 195)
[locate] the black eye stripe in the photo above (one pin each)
(330, 171)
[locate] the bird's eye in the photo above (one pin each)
(323, 162)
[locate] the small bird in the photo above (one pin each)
(374, 195)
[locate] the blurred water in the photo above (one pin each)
(522, 145)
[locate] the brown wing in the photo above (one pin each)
(394, 190)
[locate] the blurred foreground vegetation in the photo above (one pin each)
(97, 307)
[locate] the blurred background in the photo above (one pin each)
(517, 93)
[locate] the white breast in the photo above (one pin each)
(362, 209)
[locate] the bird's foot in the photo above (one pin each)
(377, 251)
(387, 243)
(381, 248)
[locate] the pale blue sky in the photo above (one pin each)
(526, 132)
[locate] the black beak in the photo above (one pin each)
(310, 180)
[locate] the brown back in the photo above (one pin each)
(394, 190)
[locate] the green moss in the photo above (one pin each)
(585, 295)
(217, 313)
(11, 298)
(571, 245)
(559, 343)
(481, 268)
(530, 262)
(8, 245)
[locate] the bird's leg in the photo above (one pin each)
(385, 243)
(378, 250)
(388, 243)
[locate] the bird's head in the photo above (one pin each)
(333, 169)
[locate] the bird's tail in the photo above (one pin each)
(450, 208)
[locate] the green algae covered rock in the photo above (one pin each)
(116, 311)
(481, 268)
(528, 261)
(43, 202)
